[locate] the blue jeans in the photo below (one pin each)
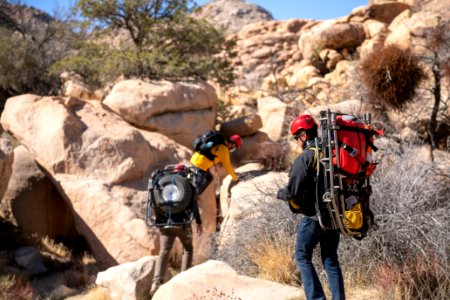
(309, 235)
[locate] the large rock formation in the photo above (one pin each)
(181, 110)
(265, 48)
(251, 206)
(232, 14)
(34, 203)
(217, 280)
(99, 163)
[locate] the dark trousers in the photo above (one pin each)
(167, 238)
(202, 180)
(309, 235)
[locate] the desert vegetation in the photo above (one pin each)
(406, 258)
(74, 269)
(161, 42)
(36, 47)
(402, 76)
(31, 42)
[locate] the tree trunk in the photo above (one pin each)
(437, 100)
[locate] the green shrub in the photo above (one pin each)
(164, 43)
(31, 42)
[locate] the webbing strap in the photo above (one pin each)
(353, 153)
(314, 165)
(356, 129)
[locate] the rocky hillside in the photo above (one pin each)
(232, 15)
(75, 167)
(22, 14)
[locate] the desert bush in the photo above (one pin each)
(79, 274)
(410, 201)
(265, 237)
(13, 288)
(273, 256)
(31, 42)
(391, 75)
(418, 277)
(165, 43)
(54, 248)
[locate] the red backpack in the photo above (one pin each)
(356, 145)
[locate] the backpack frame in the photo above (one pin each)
(347, 166)
(163, 210)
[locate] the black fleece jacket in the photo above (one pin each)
(301, 189)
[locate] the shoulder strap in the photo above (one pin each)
(316, 154)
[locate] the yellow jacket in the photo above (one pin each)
(222, 156)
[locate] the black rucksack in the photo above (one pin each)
(205, 142)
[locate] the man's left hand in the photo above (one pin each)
(281, 194)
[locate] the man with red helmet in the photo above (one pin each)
(300, 193)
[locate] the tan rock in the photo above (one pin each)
(250, 204)
(64, 143)
(374, 28)
(330, 58)
(300, 77)
(371, 45)
(386, 11)
(262, 53)
(352, 107)
(6, 164)
(128, 281)
(273, 114)
(100, 164)
(330, 34)
(409, 32)
(114, 231)
(343, 74)
(36, 205)
(233, 15)
(214, 279)
(180, 110)
(244, 126)
(73, 85)
(260, 148)
(402, 17)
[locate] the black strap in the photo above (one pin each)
(354, 153)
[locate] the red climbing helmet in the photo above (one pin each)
(302, 122)
(237, 140)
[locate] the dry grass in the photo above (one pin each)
(50, 246)
(410, 201)
(419, 277)
(78, 276)
(95, 293)
(12, 287)
(274, 257)
(408, 258)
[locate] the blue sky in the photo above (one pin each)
(280, 9)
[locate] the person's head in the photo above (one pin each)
(304, 128)
(234, 142)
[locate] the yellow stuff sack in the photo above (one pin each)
(354, 217)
